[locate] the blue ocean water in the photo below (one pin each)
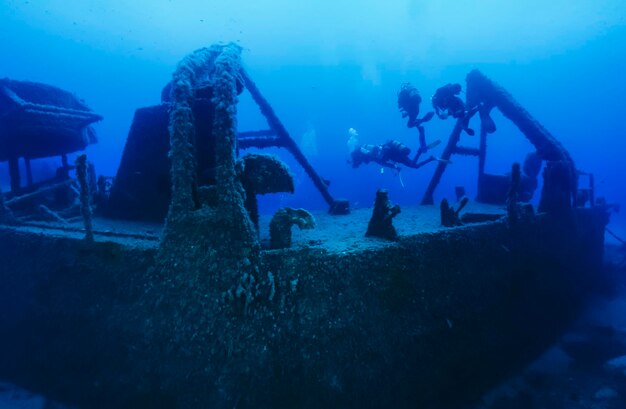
(328, 66)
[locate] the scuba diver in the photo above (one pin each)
(389, 155)
(409, 101)
(446, 102)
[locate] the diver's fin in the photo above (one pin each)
(446, 161)
(433, 144)
(428, 117)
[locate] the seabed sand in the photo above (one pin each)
(586, 367)
(13, 397)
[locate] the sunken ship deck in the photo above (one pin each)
(331, 234)
(199, 313)
(337, 320)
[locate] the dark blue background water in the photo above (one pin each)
(327, 67)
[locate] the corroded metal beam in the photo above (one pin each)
(561, 175)
(284, 139)
(482, 90)
(450, 148)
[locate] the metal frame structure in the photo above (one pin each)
(483, 91)
(277, 136)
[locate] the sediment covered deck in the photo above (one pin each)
(197, 313)
(332, 233)
(342, 323)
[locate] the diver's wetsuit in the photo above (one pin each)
(447, 103)
(389, 155)
(409, 101)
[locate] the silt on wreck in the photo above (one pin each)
(201, 314)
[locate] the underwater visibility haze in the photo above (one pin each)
(331, 66)
(332, 71)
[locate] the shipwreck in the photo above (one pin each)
(167, 295)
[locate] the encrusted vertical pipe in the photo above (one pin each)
(218, 67)
(92, 178)
(557, 188)
(191, 70)
(5, 214)
(85, 207)
(482, 158)
(231, 195)
(511, 201)
(455, 136)
(227, 65)
(29, 172)
(14, 173)
(181, 135)
(592, 190)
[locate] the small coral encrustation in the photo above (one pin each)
(381, 223)
(449, 216)
(280, 225)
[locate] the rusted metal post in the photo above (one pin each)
(29, 172)
(511, 201)
(285, 140)
(482, 158)
(6, 216)
(455, 136)
(481, 89)
(14, 174)
(592, 190)
(85, 206)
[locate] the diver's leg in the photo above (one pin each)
(422, 148)
(415, 158)
(406, 161)
(466, 127)
(466, 118)
(417, 165)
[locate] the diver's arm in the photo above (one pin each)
(441, 113)
(426, 118)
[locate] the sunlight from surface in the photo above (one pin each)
(327, 32)
(328, 66)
